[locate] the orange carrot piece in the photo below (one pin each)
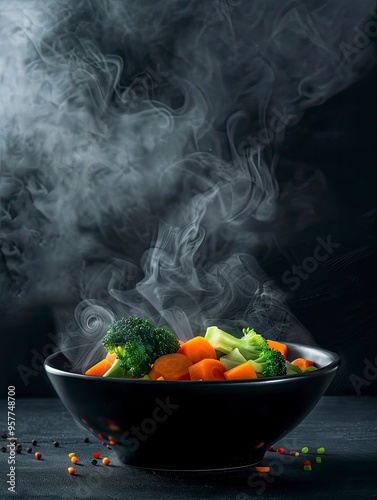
(279, 346)
(198, 348)
(302, 363)
(160, 378)
(207, 369)
(170, 366)
(111, 357)
(99, 369)
(242, 371)
(262, 468)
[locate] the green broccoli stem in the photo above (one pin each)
(116, 370)
(225, 342)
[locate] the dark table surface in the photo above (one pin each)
(345, 425)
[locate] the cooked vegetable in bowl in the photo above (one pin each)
(135, 349)
(172, 415)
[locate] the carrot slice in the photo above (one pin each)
(302, 363)
(170, 366)
(198, 348)
(207, 369)
(242, 371)
(279, 346)
(111, 357)
(99, 369)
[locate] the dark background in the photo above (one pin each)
(327, 162)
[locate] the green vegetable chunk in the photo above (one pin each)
(252, 346)
(137, 345)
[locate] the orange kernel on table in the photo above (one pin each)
(71, 470)
(38, 455)
(71, 454)
(74, 459)
(106, 461)
(261, 468)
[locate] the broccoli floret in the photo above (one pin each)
(250, 345)
(270, 363)
(137, 345)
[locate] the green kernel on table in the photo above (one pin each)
(320, 451)
(305, 449)
(307, 467)
(318, 460)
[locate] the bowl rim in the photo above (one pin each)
(334, 363)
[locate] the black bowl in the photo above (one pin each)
(192, 425)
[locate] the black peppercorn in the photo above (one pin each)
(56, 444)
(4, 436)
(94, 461)
(29, 450)
(86, 440)
(3, 449)
(34, 442)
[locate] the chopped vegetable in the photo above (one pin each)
(279, 346)
(270, 363)
(111, 356)
(137, 344)
(318, 460)
(243, 371)
(262, 468)
(207, 369)
(198, 348)
(249, 345)
(305, 449)
(99, 369)
(302, 363)
(172, 366)
(292, 369)
(307, 467)
(320, 450)
(280, 451)
(96, 454)
(306, 462)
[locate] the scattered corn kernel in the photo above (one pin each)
(261, 468)
(71, 454)
(307, 467)
(305, 449)
(318, 460)
(38, 455)
(74, 459)
(71, 470)
(106, 461)
(320, 450)
(297, 453)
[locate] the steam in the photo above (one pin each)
(129, 182)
